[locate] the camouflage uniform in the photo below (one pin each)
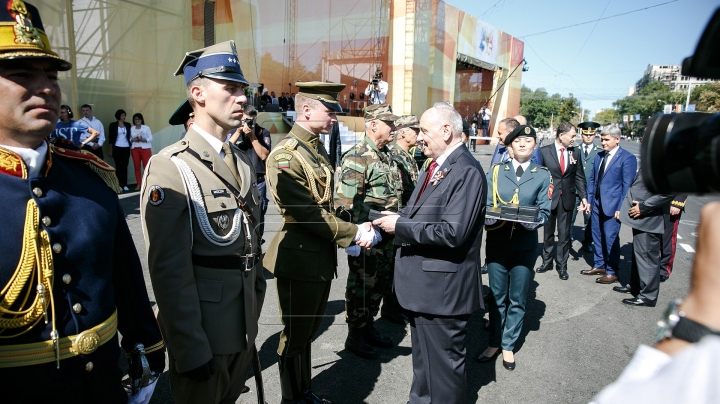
(404, 160)
(369, 179)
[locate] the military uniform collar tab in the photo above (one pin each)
(303, 134)
(214, 143)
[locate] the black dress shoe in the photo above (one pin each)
(508, 365)
(638, 301)
(484, 359)
(373, 337)
(562, 273)
(356, 344)
(483, 269)
(622, 289)
(663, 278)
(245, 389)
(544, 268)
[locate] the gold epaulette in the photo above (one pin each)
(678, 204)
(291, 144)
(12, 164)
(96, 164)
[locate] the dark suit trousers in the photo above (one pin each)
(605, 230)
(560, 219)
(645, 269)
(669, 242)
(587, 239)
(122, 158)
(438, 355)
(302, 307)
(224, 386)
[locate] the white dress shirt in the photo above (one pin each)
(214, 142)
(609, 157)
(34, 158)
(440, 160)
(98, 126)
(517, 164)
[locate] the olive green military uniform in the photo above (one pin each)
(303, 253)
(369, 179)
(408, 171)
(204, 263)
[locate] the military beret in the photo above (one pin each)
(219, 61)
(181, 114)
(327, 93)
(407, 121)
(382, 112)
(589, 127)
(520, 131)
(22, 35)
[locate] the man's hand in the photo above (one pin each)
(617, 215)
(634, 212)
(583, 205)
(387, 222)
(368, 236)
(674, 210)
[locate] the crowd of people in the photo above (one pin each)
(411, 226)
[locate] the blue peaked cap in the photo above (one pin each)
(218, 61)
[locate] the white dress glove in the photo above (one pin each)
(489, 221)
(353, 250)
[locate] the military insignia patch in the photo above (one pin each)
(283, 156)
(156, 195)
(527, 130)
(223, 221)
(550, 191)
(283, 164)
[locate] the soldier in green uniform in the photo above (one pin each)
(406, 133)
(511, 247)
(302, 255)
(369, 179)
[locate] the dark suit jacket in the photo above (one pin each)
(568, 183)
(113, 133)
(652, 207)
(616, 181)
(588, 162)
(437, 267)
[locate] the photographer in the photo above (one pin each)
(377, 89)
(254, 141)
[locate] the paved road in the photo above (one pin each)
(576, 339)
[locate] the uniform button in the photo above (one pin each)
(300, 246)
(89, 366)
(517, 190)
(67, 279)
(206, 154)
(77, 307)
(37, 191)
(46, 221)
(222, 204)
(57, 248)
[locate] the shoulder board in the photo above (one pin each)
(12, 164)
(291, 144)
(174, 149)
(542, 167)
(96, 164)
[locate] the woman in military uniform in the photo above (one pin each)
(511, 247)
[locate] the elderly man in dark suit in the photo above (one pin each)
(437, 276)
(562, 159)
(613, 173)
(644, 211)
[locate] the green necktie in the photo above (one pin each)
(229, 160)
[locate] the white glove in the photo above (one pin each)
(531, 226)
(489, 221)
(353, 250)
(372, 235)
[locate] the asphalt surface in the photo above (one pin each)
(577, 335)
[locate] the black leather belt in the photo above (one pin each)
(225, 261)
(260, 178)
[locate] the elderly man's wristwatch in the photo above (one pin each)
(674, 324)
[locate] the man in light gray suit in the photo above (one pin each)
(643, 211)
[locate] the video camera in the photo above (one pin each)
(680, 153)
(377, 77)
(249, 122)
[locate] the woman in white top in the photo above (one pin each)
(141, 140)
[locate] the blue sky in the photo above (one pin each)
(595, 62)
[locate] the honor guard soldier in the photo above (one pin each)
(588, 151)
(511, 247)
(70, 277)
(303, 253)
(199, 207)
(369, 179)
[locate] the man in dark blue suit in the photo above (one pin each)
(613, 172)
(437, 277)
(500, 154)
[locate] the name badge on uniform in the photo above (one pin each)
(219, 192)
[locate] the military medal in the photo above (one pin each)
(438, 176)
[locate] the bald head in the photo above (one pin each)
(521, 119)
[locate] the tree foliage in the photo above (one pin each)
(648, 101)
(706, 97)
(542, 109)
(607, 116)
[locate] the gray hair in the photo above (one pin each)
(446, 113)
(612, 130)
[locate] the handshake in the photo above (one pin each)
(367, 236)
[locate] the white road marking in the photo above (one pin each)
(687, 247)
(679, 238)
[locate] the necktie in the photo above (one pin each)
(586, 151)
(229, 160)
(601, 172)
(519, 172)
(430, 171)
(562, 160)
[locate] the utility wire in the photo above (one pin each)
(588, 37)
(604, 18)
